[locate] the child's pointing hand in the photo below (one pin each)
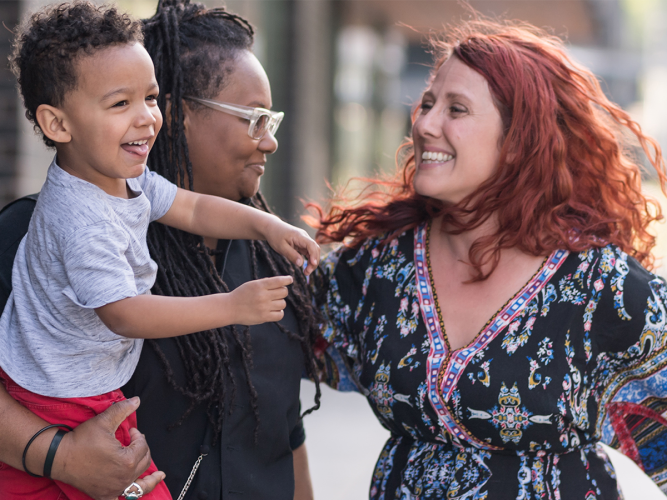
(294, 244)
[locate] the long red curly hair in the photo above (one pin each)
(569, 169)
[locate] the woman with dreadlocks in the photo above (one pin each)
(220, 408)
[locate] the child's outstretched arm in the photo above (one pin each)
(155, 316)
(216, 217)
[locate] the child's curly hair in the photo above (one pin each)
(46, 47)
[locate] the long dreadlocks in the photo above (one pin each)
(193, 49)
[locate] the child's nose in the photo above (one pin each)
(147, 116)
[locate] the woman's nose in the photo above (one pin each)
(268, 143)
(429, 124)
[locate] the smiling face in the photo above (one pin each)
(456, 135)
(111, 118)
(226, 161)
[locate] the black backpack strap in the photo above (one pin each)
(29, 198)
(14, 221)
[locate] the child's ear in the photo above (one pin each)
(52, 122)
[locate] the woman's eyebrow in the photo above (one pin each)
(258, 104)
(450, 96)
(454, 96)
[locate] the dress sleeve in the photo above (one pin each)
(341, 289)
(633, 366)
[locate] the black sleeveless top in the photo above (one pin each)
(235, 467)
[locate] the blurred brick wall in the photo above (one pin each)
(9, 15)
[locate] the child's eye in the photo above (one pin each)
(152, 97)
(120, 104)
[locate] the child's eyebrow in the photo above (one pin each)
(114, 92)
(124, 90)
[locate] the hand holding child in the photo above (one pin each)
(260, 301)
(92, 447)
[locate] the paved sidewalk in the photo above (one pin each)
(344, 439)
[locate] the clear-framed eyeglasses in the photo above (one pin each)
(261, 120)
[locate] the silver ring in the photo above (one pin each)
(133, 495)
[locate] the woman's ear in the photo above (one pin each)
(187, 112)
(52, 121)
(167, 110)
(167, 115)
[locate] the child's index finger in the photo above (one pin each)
(309, 267)
(312, 251)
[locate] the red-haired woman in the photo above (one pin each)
(493, 304)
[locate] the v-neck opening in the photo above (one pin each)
(444, 367)
(450, 352)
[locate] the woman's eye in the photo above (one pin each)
(457, 110)
(426, 106)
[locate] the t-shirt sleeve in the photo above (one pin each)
(97, 270)
(633, 366)
(159, 191)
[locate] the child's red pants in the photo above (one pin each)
(18, 485)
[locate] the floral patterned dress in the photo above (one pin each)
(577, 356)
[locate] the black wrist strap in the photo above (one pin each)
(51, 454)
(52, 450)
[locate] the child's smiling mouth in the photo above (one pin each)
(139, 148)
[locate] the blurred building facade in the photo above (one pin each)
(9, 119)
(346, 73)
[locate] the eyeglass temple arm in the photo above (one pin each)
(224, 107)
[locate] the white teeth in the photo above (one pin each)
(433, 157)
(138, 143)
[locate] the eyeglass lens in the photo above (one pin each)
(261, 126)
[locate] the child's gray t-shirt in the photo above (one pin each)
(83, 249)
